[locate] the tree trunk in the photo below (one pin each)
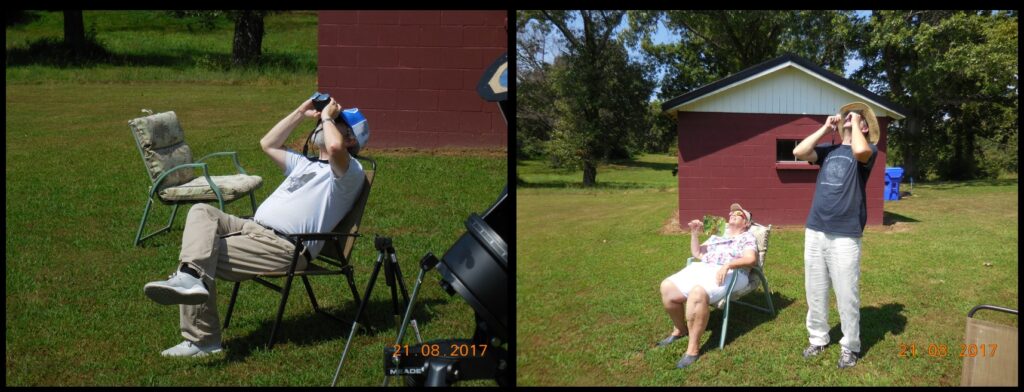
(589, 174)
(248, 37)
(962, 164)
(74, 31)
(909, 147)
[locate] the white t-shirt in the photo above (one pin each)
(311, 198)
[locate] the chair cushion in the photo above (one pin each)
(232, 187)
(761, 239)
(158, 130)
(162, 144)
(159, 161)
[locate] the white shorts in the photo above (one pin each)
(706, 276)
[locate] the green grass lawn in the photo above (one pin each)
(76, 188)
(590, 263)
(646, 172)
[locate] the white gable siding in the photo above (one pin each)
(786, 89)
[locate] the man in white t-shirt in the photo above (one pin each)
(315, 195)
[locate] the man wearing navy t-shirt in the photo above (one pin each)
(832, 238)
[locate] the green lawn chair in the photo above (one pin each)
(168, 160)
(761, 234)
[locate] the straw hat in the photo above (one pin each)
(868, 115)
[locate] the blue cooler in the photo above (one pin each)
(893, 176)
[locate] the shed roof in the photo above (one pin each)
(785, 62)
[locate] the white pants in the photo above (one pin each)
(706, 276)
(832, 260)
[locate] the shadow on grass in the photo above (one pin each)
(971, 183)
(312, 328)
(875, 323)
(889, 218)
(20, 17)
(51, 51)
(743, 319)
(579, 185)
(647, 165)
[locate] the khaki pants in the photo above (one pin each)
(224, 246)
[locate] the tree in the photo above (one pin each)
(247, 42)
(535, 94)
(716, 44)
(955, 72)
(601, 95)
(74, 31)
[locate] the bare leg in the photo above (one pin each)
(674, 302)
(697, 313)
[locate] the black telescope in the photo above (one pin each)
(475, 268)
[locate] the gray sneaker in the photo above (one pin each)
(180, 288)
(813, 351)
(847, 359)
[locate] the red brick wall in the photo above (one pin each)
(414, 74)
(730, 157)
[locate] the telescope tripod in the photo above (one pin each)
(393, 278)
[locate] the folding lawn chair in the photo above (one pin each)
(989, 351)
(336, 252)
(761, 234)
(168, 160)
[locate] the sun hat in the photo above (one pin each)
(868, 115)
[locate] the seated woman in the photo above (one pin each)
(701, 284)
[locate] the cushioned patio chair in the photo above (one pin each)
(168, 160)
(335, 253)
(761, 234)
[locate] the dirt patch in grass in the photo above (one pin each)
(672, 226)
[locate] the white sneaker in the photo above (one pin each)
(189, 349)
(180, 288)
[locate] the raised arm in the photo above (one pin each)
(334, 139)
(859, 145)
(273, 142)
(805, 150)
(696, 250)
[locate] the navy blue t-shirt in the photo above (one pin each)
(840, 205)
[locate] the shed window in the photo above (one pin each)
(784, 150)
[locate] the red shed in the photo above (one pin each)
(736, 138)
(414, 74)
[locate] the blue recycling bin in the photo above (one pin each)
(893, 176)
